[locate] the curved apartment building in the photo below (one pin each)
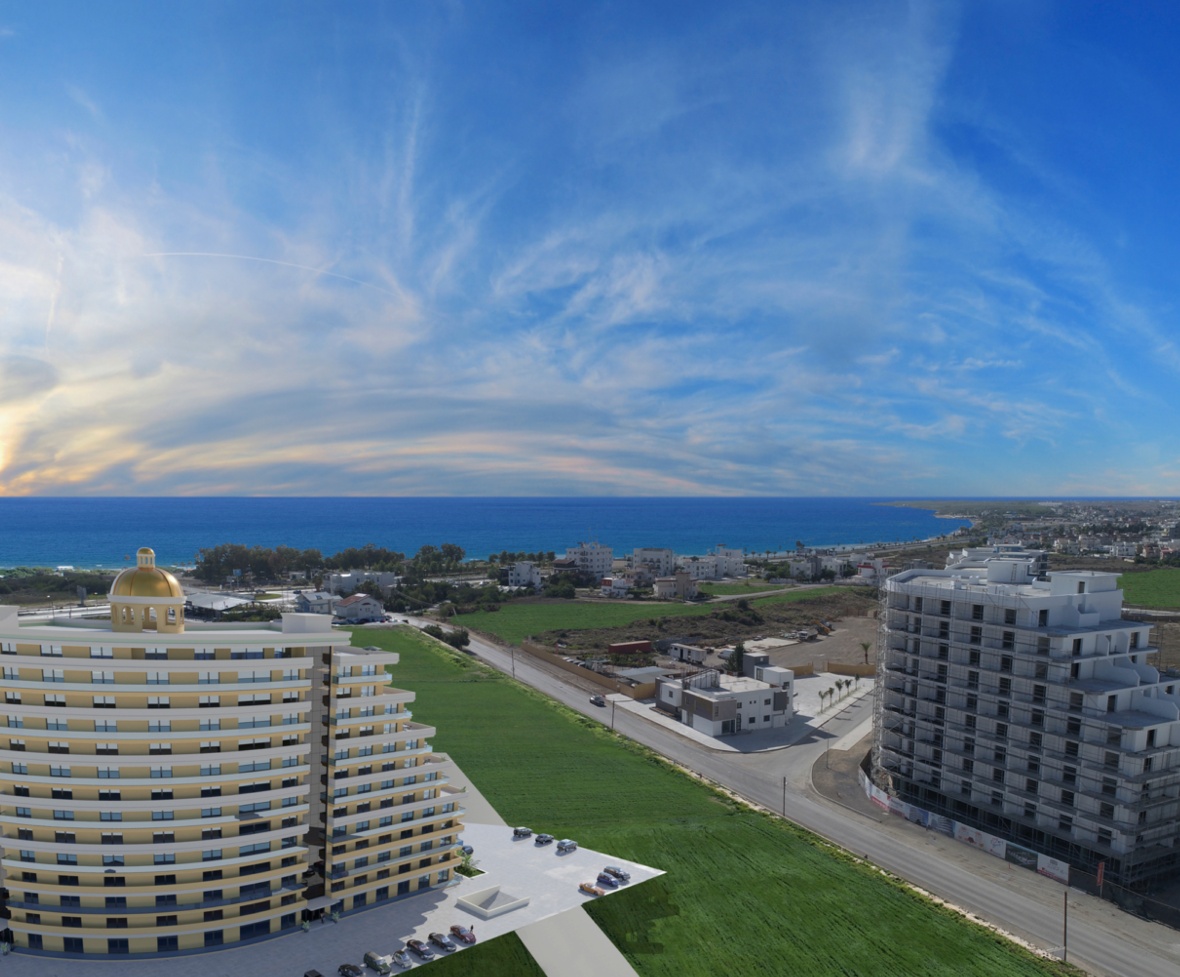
(168, 787)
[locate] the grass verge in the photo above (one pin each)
(744, 891)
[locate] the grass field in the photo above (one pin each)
(730, 589)
(744, 892)
(1153, 588)
(515, 621)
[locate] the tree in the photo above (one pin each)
(738, 658)
(865, 646)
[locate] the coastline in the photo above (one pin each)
(103, 533)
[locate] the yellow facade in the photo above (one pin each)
(167, 788)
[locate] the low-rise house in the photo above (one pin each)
(524, 574)
(315, 601)
(616, 586)
(359, 609)
(678, 586)
(718, 704)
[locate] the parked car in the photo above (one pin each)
(462, 933)
(375, 961)
(440, 940)
(420, 949)
(608, 880)
(618, 873)
(591, 889)
(349, 970)
(522, 832)
(401, 958)
(312, 973)
(566, 845)
(543, 839)
(597, 700)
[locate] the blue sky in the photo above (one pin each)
(432, 248)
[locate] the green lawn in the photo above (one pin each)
(517, 620)
(744, 892)
(1152, 588)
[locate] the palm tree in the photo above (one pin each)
(865, 646)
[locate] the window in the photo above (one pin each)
(1077, 647)
(163, 815)
(209, 701)
(1106, 810)
(164, 858)
(1038, 717)
(1067, 797)
(1010, 615)
(159, 702)
(976, 635)
(1005, 687)
(1073, 727)
(1031, 785)
(1071, 748)
(1069, 775)
(976, 612)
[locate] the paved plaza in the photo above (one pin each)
(551, 921)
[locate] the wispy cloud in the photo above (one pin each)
(748, 256)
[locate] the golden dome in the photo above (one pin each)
(146, 579)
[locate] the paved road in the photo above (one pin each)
(1102, 939)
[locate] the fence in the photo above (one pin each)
(839, 668)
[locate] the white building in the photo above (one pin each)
(617, 587)
(347, 583)
(1027, 707)
(687, 653)
(679, 586)
(359, 609)
(730, 562)
(524, 574)
(718, 704)
(659, 562)
(592, 559)
(315, 602)
(722, 562)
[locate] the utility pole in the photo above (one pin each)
(512, 649)
(1065, 926)
(784, 797)
(612, 715)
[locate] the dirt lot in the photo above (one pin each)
(842, 645)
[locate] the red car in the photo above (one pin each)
(462, 934)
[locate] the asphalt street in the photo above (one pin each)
(1101, 939)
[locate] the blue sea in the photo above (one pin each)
(106, 532)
